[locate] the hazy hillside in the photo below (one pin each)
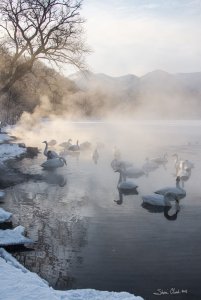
(29, 93)
(157, 94)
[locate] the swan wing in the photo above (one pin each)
(174, 191)
(157, 200)
(52, 163)
(126, 185)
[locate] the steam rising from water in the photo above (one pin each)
(136, 140)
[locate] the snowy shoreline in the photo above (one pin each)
(17, 282)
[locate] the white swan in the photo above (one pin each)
(67, 144)
(177, 162)
(159, 200)
(117, 153)
(177, 191)
(85, 146)
(183, 173)
(160, 160)
(95, 156)
(182, 166)
(149, 166)
(123, 185)
(49, 153)
(133, 172)
(74, 147)
(120, 164)
(188, 165)
(52, 143)
(54, 163)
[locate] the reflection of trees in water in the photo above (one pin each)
(57, 227)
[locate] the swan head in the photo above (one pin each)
(45, 142)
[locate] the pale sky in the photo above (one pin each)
(139, 36)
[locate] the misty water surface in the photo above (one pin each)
(84, 239)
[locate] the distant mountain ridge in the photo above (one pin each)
(173, 95)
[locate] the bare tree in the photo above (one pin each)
(40, 29)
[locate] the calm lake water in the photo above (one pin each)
(84, 239)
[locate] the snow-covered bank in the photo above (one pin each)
(17, 283)
(8, 151)
(13, 237)
(4, 215)
(5, 137)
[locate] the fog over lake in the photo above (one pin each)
(85, 239)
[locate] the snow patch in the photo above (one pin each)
(4, 137)
(10, 150)
(2, 193)
(13, 237)
(18, 283)
(4, 216)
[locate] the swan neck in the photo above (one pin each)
(45, 150)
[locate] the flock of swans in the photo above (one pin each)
(160, 198)
(55, 160)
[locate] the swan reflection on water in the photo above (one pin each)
(163, 209)
(162, 200)
(54, 178)
(122, 194)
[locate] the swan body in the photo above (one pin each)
(95, 156)
(85, 146)
(177, 162)
(127, 185)
(74, 147)
(117, 153)
(52, 143)
(158, 200)
(149, 166)
(160, 160)
(188, 165)
(66, 145)
(120, 164)
(49, 153)
(182, 164)
(124, 185)
(54, 163)
(176, 192)
(183, 174)
(133, 172)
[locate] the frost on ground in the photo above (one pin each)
(4, 137)
(10, 150)
(17, 283)
(13, 237)
(4, 215)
